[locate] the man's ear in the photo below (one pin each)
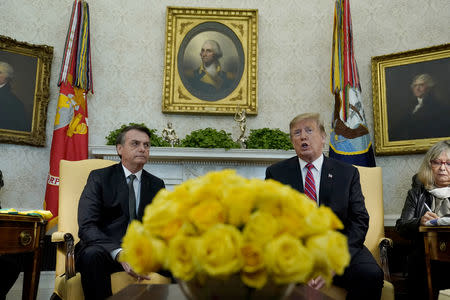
(119, 149)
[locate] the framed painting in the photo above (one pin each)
(24, 91)
(211, 61)
(411, 100)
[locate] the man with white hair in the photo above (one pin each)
(210, 78)
(12, 111)
(425, 115)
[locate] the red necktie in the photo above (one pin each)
(310, 186)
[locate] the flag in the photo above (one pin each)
(349, 138)
(70, 134)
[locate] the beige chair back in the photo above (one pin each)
(372, 189)
(73, 177)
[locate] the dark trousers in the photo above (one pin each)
(363, 278)
(10, 269)
(96, 265)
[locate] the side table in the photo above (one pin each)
(437, 247)
(24, 234)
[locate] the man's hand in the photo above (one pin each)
(317, 283)
(130, 271)
(428, 216)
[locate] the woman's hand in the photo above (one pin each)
(428, 216)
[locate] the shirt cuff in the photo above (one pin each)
(115, 252)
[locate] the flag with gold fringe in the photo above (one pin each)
(349, 138)
(70, 134)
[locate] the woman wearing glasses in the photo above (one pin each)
(428, 199)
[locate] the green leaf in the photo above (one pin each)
(266, 138)
(155, 140)
(209, 138)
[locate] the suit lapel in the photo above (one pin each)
(145, 190)
(295, 174)
(122, 188)
(326, 182)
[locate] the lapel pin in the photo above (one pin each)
(330, 176)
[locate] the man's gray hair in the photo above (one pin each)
(426, 78)
(8, 69)
(216, 48)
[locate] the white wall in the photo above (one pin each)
(294, 59)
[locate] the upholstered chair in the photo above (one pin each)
(372, 189)
(73, 176)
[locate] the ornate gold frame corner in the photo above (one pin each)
(406, 63)
(43, 54)
(237, 31)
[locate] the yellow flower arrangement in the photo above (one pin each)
(222, 224)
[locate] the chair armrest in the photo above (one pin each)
(68, 249)
(385, 244)
(58, 237)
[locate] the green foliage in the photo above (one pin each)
(209, 138)
(155, 140)
(266, 138)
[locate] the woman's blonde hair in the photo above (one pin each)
(425, 174)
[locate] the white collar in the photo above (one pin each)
(128, 173)
(317, 163)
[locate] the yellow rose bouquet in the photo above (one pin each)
(222, 225)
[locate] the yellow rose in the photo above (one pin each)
(239, 202)
(144, 253)
(260, 228)
(288, 260)
(270, 197)
(181, 257)
(163, 219)
(218, 251)
(226, 177)
(207, 214)
(330, 251)
(320, 221)
(253, 273)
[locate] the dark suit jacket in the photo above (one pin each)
(340, 190)
(103, 214)
(429, 121)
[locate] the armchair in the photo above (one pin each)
(372, 189)
(73, 176)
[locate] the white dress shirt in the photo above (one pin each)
(316, 171)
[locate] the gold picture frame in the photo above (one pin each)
(187, 87)
(405, 124)
(24, 91)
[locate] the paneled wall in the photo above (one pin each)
(294, 59)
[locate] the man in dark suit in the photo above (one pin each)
(334, 184)
(104, 211)
(424, 115)
(12, 110)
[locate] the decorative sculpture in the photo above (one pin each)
(169, 135)
(241, 118)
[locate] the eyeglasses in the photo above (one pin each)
(437, 163)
